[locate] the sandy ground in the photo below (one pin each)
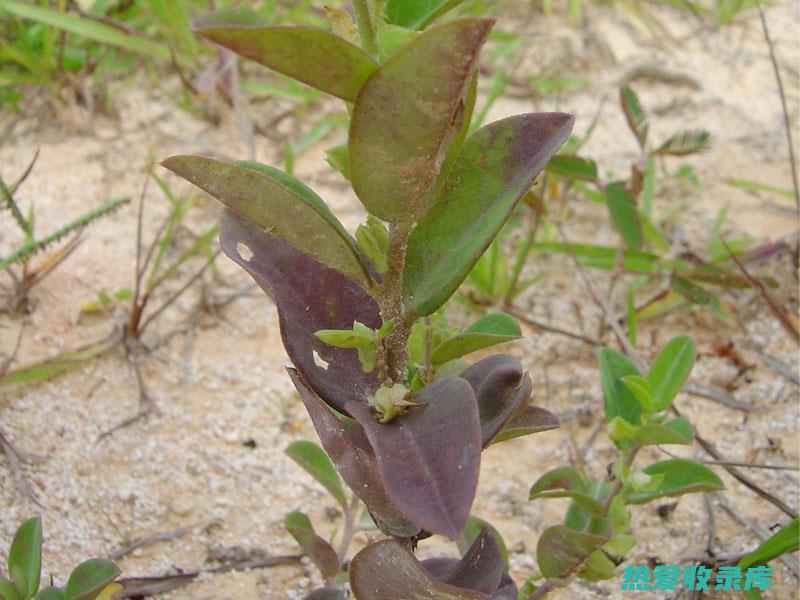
(213, 451)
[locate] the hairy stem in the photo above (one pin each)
(366, 26)
(394, 348)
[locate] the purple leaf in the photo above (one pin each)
(530, 419)
(481, 567)
(387, 570)
(318, 550)
(429, 458)
(309, 297)
(499, 389)
(349, 450)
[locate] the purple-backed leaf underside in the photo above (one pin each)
(429, 458)
(495, 168)
(481, 567)
(317, 549)
(475, 526)
(562, 551)
(528, 420)
(497, 382)
(349, 450)
(314, 56)
(387, 570)
(408, 114)
(309, 297)
(280, 205)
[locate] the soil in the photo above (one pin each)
(211, 454)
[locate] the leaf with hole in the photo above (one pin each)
(89, 579)
(310, 297)
(670, 371)
(408, 114)
(280, 205)
(485, 332)
(25, 557)
(316, 463)
(680, 476)
(314, 56)
(429, 458)
(495, 168)
(318, 550)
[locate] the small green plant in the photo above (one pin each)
(595, 536)
(90, 580)
(23, 273)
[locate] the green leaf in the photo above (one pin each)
(338, 158)
(278, 204)
(25, 557)
(573, 167)
(92, 30)
(620, 402)
(50, 593)
(785, 541)
(670, 371)
(685, 142)
(562, 551)
(598, 568)
(677, 431)
(624, 216)
(635, 114)
(373, 241)
(605, 257)
(417, 14)
(639, 387)
(8, 591)
(471, 532)
(620, 431)
(566, 482)
(408, 114)
(493, 171)
(314, 56)
(487, 331)
(691, 291)
(89, 578)
(681, 476)
(319, 551)
(316, 463)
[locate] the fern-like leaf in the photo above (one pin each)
(685, 142)
(10, 204)
(635, 114)
(28, 249)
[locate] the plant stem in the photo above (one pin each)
(366, 26)
(349, 529)
(543, 590)
(394, 347)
